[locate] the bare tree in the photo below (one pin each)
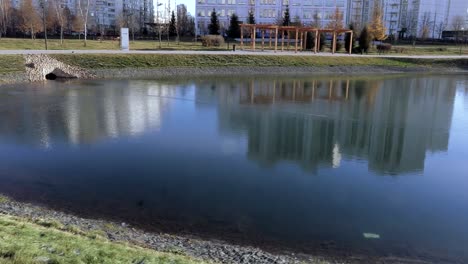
(83, 12)
(30, 19)
(59, 14)
(457, 25)
(5, 8)
(316, 23)
(439, 28)
(336, 20)
(425, 25)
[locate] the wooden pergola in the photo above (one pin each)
(304, 32)
(335, 33)
(300, 33)
(253, 34)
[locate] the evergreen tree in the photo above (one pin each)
(172, 25)
(287, 17)
(213, 27)
(364, 40)
(348, 39)
(251, 17)
(234, 29)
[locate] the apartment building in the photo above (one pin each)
(266, 11)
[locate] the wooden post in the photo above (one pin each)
(276, 40)
(263, 39)
(270, 37)
(254, 37)
(289, 38)
(351, 43)
(304, 47)
(242, 37)
(297, 39)
(317, 41)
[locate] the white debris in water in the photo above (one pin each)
(371, 236)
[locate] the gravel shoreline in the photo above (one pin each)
(212, 250)
(215, 251)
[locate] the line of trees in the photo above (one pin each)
(28, 20)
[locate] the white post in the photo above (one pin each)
(124, 39)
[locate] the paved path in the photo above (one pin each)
(188, 52)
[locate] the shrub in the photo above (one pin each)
(364, 40)
(338, 45)
(212, 40)
(384, 48)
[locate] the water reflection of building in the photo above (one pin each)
(391, 123)
(86, 114)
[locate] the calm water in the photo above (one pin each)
(309, 164)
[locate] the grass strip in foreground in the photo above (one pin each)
(25, 242)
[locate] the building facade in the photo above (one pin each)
(403, 18)
(266, 11)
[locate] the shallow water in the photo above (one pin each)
(304, 163)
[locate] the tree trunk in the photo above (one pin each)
(61, 35)
(85, 34)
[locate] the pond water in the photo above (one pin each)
(309, 164)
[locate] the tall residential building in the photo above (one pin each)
(409, 17)
(266, 11)
(106, 13)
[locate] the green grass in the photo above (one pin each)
(115, 61)
(11, 63)
(75, 44)
(118, 61)
(25, 242)
(3, 199)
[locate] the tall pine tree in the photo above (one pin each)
(287, 17)
(251, 17)
(213, 27)
(234, 29)
(172, 25)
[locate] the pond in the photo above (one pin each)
(372, 165)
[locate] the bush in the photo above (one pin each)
(384, 48)
(364, 40)
(212, 40)
(339, 46)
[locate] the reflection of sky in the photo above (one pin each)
(184, 151)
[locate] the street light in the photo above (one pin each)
(157, 21)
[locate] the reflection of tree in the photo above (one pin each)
(390, 123)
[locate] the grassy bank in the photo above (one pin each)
(11, 63)
(148, 61)
(75, 44)
(24, 242)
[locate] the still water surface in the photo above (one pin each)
(310, 164)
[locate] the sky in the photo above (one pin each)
(189, 3)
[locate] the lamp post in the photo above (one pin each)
(158, 22)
